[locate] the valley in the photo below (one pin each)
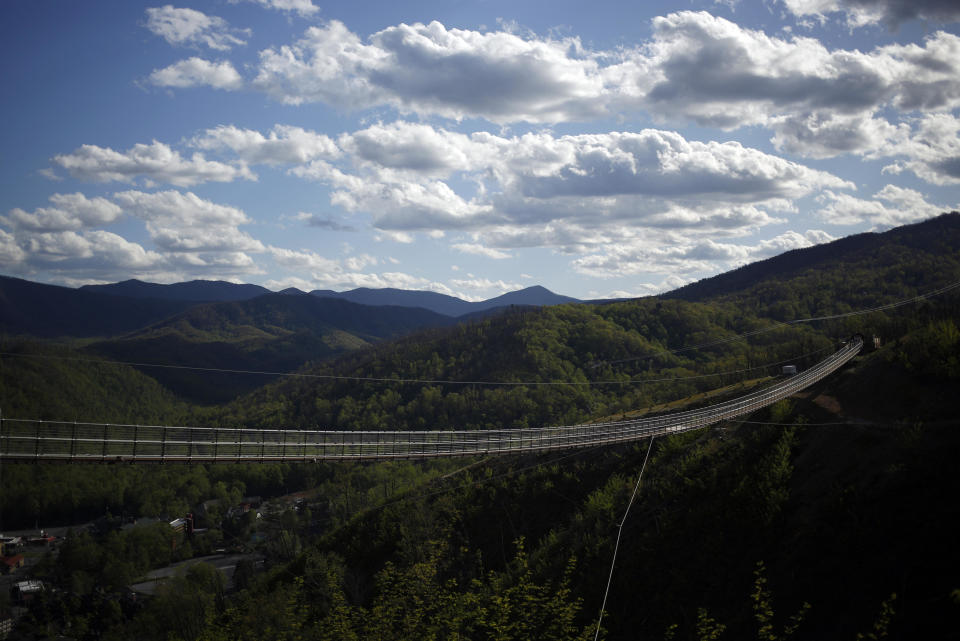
(831, 509)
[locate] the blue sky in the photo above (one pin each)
(599, 149)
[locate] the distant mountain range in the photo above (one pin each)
(198, 291)
(221, 291)
(49, 311)
(226, 326)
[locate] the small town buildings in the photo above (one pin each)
(9, 564)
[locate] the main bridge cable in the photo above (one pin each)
(195, 427)
(558, 437)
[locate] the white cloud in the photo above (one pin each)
(197, 72)
(304, 260)
(931, 149)
(825, 134)
(890, 207)
(118, 252)
(322, 222)
(87, 255)
(305, 8)
(859, 13)
(284, 144)
(415, 178)
(480, 250)
(189, 27)
(788, 241)
(660, 164)
(416, 149)
(184, 222)
(717, 73)
(360, 262)
(69, 212)
(483, 288)
(314, 271)
(11, 254)
(431, 69)
(640, 290)
(279, 284)
(156, 161)
(193, 237)
(681, 259)
(819, 102)
(401, 237)
(399, 205)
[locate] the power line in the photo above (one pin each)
(372, 379)
(416, 381)
(784, 324)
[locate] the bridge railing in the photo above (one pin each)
(32, 440)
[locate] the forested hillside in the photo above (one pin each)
(272, 333)
(857, 272)
(580, 362)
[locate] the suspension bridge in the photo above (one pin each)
(58, 441)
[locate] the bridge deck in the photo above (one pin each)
(35, 441)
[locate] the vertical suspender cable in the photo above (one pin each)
(616, 547)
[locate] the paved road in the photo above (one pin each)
(226, 563)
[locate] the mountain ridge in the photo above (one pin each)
(209, 291)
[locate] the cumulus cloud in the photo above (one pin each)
(97, 246)
(819, 102)
(69, 212)
(891, 206)
(192, 237)
(304, 8)
(480, 250)
(416, 149)
(184, 222)
(680, 258)
(189, 27)
(322, 222)
(431, 69)
(78, 256)
(314, 271)
(659, 164)
(890, 12)
(931, 150)
(197, 72)
(412, 177)
(156, 162)
(304, 260)
(12, 255)
(824, 135)
(717, 73)
(483, 288)
(396, 203)
(284, 144)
